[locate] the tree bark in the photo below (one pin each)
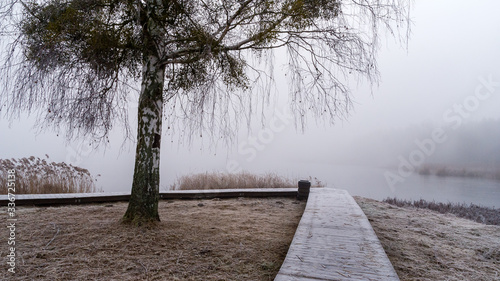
(143, 204)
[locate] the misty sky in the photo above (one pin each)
(453, 45)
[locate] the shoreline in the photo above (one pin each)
(426, 245)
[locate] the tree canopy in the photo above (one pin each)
(74, 61)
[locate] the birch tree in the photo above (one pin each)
(73, 63)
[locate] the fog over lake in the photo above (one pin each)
(437, 103)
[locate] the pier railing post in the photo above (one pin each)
(304, 188)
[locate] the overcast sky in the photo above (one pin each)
(453, 45)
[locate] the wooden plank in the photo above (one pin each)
(229, 193)
(335, 241)
(81, 198)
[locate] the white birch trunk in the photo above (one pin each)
(143, 205)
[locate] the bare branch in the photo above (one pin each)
(70, 55)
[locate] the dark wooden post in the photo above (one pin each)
(304, 188)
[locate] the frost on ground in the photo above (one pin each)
(197, 240)
(426, 245)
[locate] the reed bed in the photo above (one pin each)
(217, 180)
(481, 214)
(38, 176)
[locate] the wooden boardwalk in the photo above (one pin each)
(335, 241)
(85, 198)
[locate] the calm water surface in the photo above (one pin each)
(371, 182)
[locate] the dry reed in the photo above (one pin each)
(241, 180)
(226, 181)
(37, 176)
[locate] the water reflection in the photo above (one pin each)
(370, 182)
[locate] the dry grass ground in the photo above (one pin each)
(233, 239)
(426, 245)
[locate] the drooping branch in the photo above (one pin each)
(82, 50)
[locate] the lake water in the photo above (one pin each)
(358, 180)
(371, 182)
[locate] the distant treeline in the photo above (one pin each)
(469, 172)
(466, 149)
(472, 144)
